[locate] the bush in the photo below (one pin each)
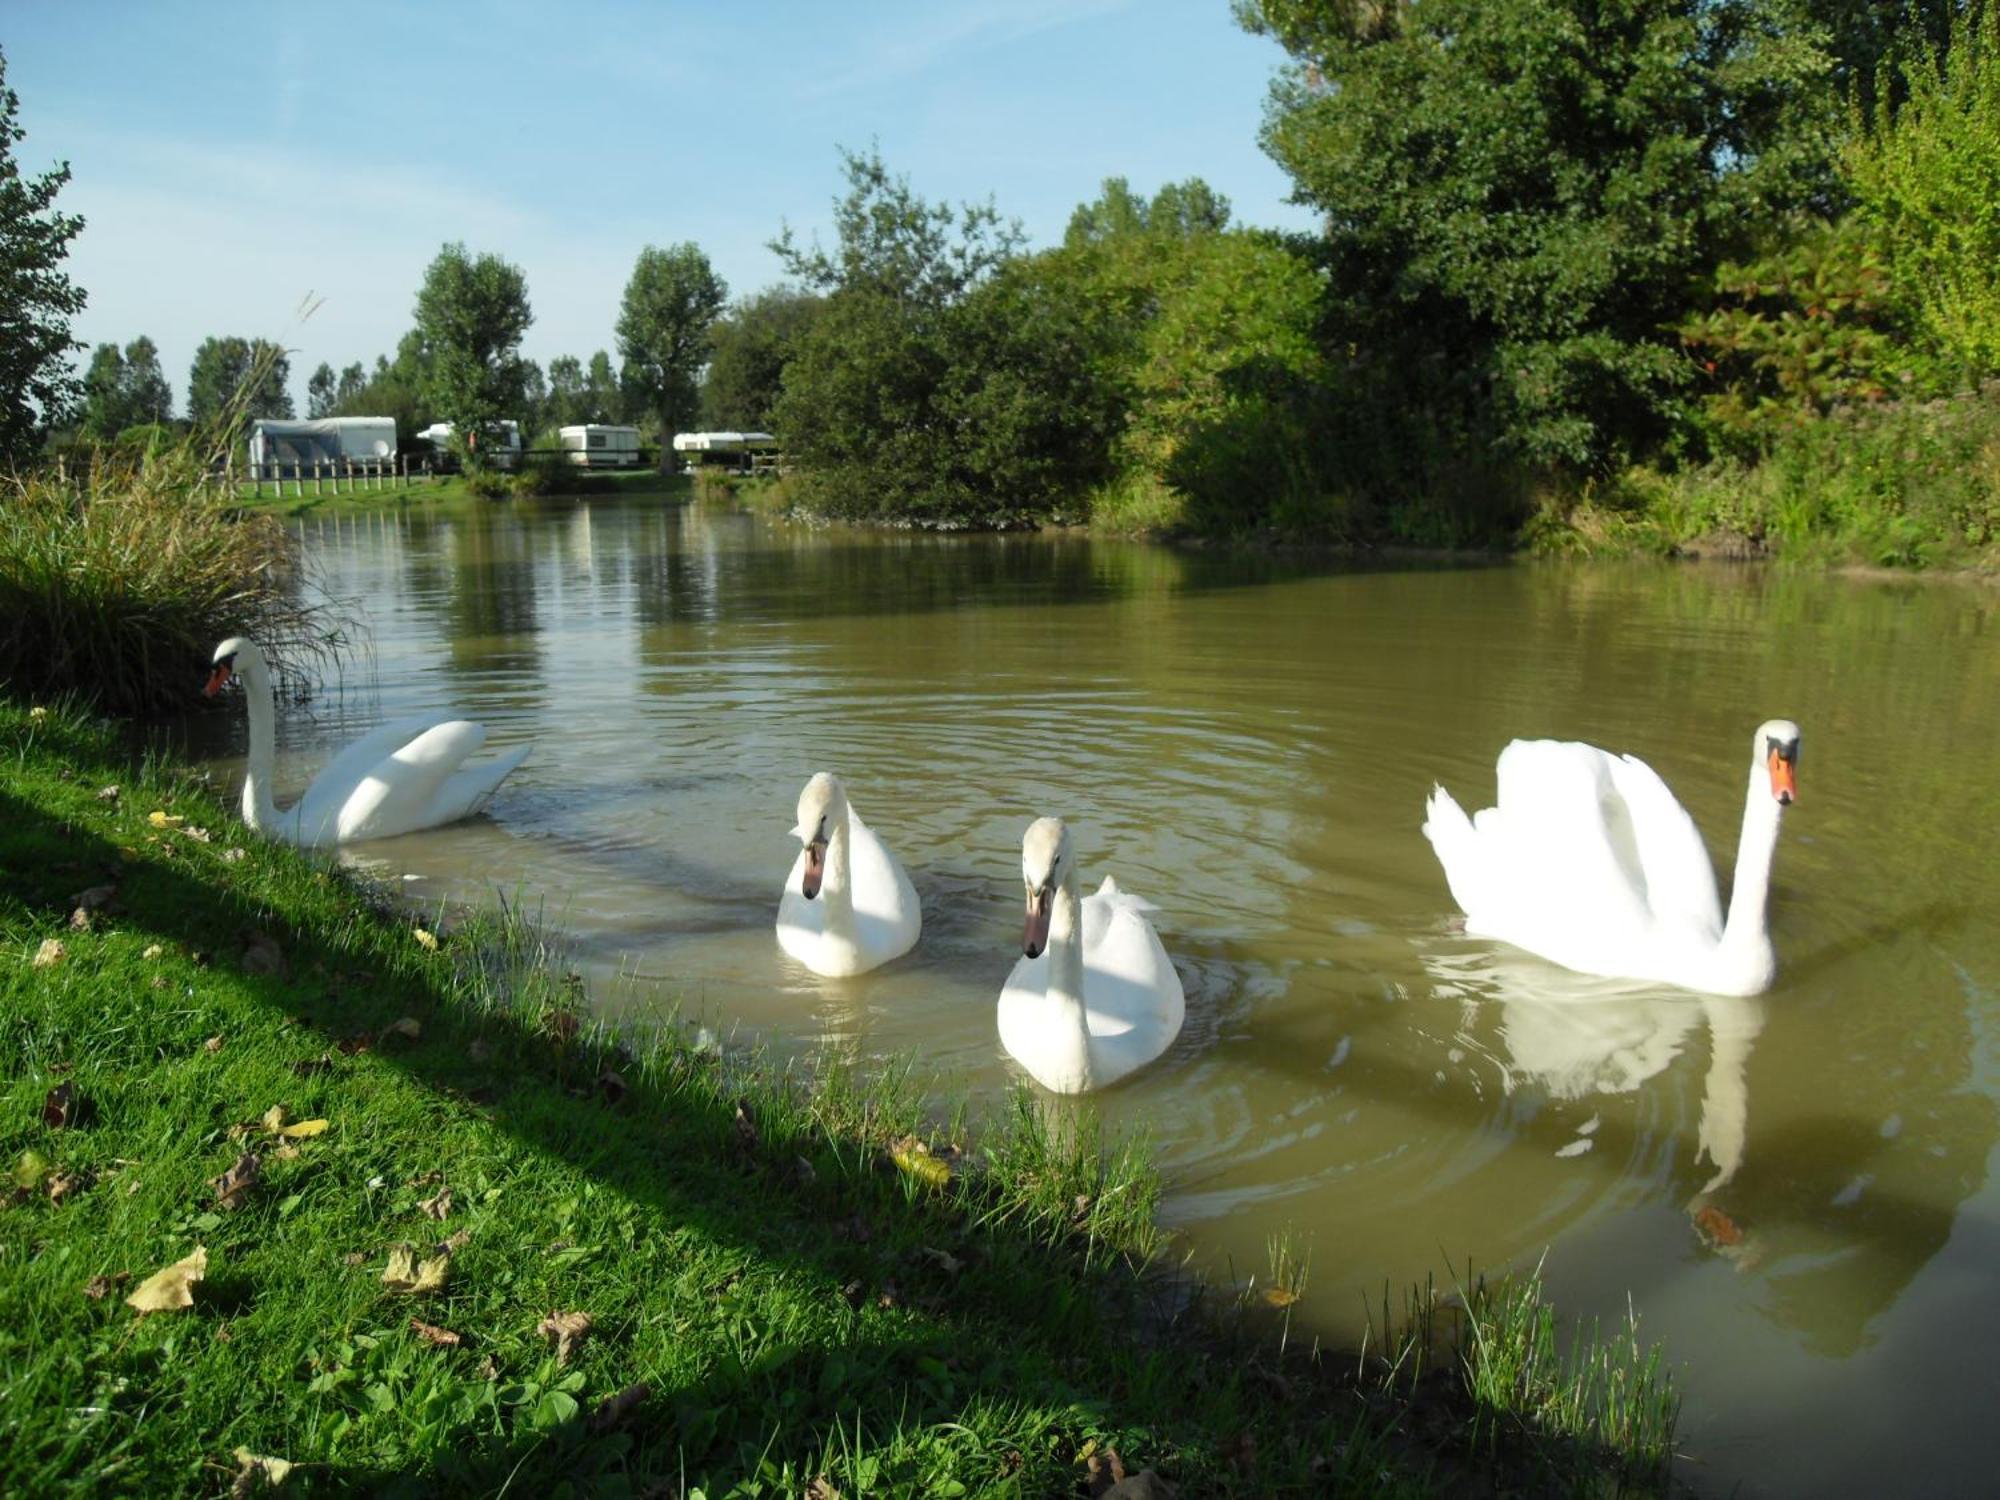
(116, 583)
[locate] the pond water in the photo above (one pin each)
(1247, 741)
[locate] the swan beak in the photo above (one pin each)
(216, 679)
(1035, 935)
(815, 869)
(1784, 779)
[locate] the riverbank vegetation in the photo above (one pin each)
(1664, 274)
(299, 1185)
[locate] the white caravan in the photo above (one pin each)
(506, 452)
(596, 446)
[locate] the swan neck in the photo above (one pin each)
(1066, 948)
(836, 887)
(260, 812)
(1749, 897)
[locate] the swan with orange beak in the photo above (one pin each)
(847, 906)
(1093, 996)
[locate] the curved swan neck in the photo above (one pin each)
(1750, 895)
(260, 812)
(1066, 946)
(836, 887)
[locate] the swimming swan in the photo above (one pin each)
(847, 907)
(395, 779)
(1589, 861)
(1094, 995)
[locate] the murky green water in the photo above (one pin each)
(1247, 741)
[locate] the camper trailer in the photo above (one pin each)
(505, 454)
(290, 450)
(738, 451)
(594, 446)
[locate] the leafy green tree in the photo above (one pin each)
(567, 393)
(603, 399)
(151, 395)
(396, 389)
(471, 314)
(254, 372)
(1927, 173)
(750, 346)
(535, 409)
(1178, 209)
(353, 380)
(37, 385)
(105, 409)
(1520, 195)
(321, 391)
(891, 241)
(672, 298)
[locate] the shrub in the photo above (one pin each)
(116, 582)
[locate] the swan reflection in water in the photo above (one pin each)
(1574, 1037)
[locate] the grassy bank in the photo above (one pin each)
(455, 490)
(454, 1239)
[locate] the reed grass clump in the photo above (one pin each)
(117, 580)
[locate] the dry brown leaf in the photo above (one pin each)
(1279, 1296)
(81, 920)
(255, 1471)
(100, 1287)
(821, 1488)
(409, 1027)
(746, 1127)
(172, 1286)
(234, 1186)
(61, 1106)
(213, 1044)
(199, 835)
(430, 1333)
(50, 953)
(107, 794)
(452, 1243)
(950, 1264)
(567, 1329)
(231, 856)
(489, 1368)
(436, 1206)
(153, 951)
(613, 1410)
(62, 1184)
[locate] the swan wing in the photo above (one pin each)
(404, 790)
(1679, 879)
(1130, 986)
(1554, 867)
(888, 918)
(320, 804)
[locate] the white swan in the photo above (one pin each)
(1589, 861)
(395, 779)
(1094, 995)
(847, 906)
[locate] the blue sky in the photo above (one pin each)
(231, 159)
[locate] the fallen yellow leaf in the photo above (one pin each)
(425, 938)
(253, 1469)
(161, 819)
(172, 1287)
(1280, 1296)
(405, 1274)
(914, 1157)
(274, 1122)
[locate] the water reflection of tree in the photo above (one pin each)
(491, 604)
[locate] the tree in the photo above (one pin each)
(105, 413)
(749, 349)
(353, 381)
(567, 393)
(1178, 209)
(471, 313)
(320, 391)
(233, 377)
(1522, 197)
(1927, 173)
(151, 396)
(670, 302)
(602, 400)
(37, 385)
(535, 408)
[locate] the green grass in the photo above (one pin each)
(117, 580)
(787, 1285)
(449, 490)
